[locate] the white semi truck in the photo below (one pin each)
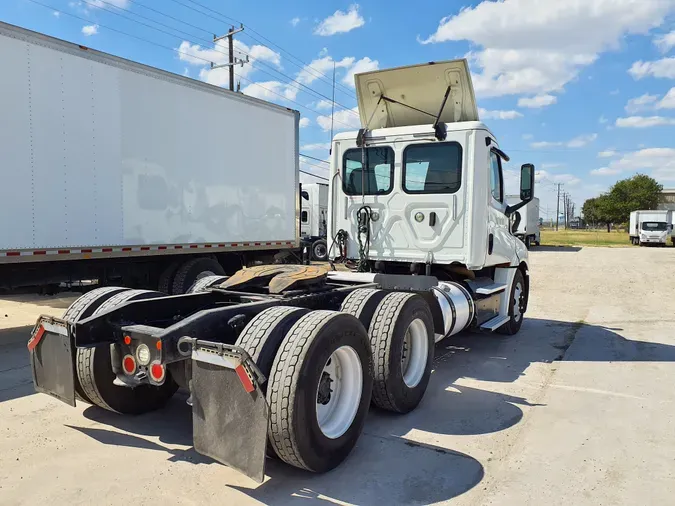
(651, 227)
(314, 219)
(286, 360)
(127, 174)
(526, 221)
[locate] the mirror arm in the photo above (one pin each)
(512, 209)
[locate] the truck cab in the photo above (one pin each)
(423, 187)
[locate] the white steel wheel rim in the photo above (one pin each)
(415, 353)
(517, 295)
(320, 250)
(205, 274)
(336, 411)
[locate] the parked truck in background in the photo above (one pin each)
(526, 221)
(314, 219)
(130, 175)
(651, 227)
(286, 359)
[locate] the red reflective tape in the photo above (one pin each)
(63, 251)
(234, 245)
(40, 252)
(88, 250)
(161, 247)
(127, 249)
(221, 245)
(256, 244)
(245, 380)
(13, 253)
(106, 250)
(143, 248)
(193, 246)
(35, 340)
(246, 244)
(207, 245)
(178, 246)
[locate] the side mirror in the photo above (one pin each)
(526, 182)
(305, 195)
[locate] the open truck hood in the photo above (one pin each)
(382, 93)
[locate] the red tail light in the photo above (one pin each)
(129, 364)
(157, 372)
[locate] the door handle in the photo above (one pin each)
(432, 219)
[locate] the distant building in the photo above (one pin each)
(667, 199)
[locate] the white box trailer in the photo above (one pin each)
(651, 227)
(314, 218)
(109, 166)
(526, 224)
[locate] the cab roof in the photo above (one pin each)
(415, 130)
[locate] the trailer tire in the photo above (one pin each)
(203, 283)
(165, 283)
(403, 322)
(528, 242)
(83, 307)
(95, 373)
(320, 250)
(193, 270)
(518, 291)
(302, 433)
(363, 303)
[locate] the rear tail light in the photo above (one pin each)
(129, 364)
(157, 372)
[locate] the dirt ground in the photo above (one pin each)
(578, 408)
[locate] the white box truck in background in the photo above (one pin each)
(117, 171)
(651, 227)
(526, 221)
(314, 219)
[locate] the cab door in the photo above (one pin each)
(501, 242)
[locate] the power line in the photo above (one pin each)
(313, 175)
(315, 158)
(122, 32)
(316, 93)
(302, 65)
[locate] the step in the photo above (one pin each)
(495, 322)
(490, 289)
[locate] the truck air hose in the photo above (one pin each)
(364, 217)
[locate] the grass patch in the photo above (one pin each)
(584, 238)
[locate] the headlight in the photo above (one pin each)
(143, 354)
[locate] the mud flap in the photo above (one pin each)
(230, 414)
(51, 359)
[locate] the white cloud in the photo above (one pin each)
(605, 171)
(485, 114)
(665, 42)
(644, 121)
(607, 153)
(527, 137)
(341, 22)
(577, 142)
(319, 146)
(344, 119)
(89, 30)
(56, 14)
(602, 120)
(322, 65)
(668, 101)
(117, 3)
(552, 165)
(295, 21)
(581, 141)
(664, 68)
(641, 103)
(567, 179)
(661, 161)
(365, 64)
(305, 122)
(537, 101)
(535, 47)
(323, 105)
(273, 91)
(186, 72)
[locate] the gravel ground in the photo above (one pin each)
(576, 409)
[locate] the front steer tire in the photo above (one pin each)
(516, 317)
(395, 317)
(294, 383)
(95, 373)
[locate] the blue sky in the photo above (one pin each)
(585, 90)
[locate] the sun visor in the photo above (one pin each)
(413, 95)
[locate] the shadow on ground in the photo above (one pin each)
(568, 249)
(386, 466)
(16, 379)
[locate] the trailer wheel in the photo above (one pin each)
(363, 303)
(95, 372)
(165, 283)
(402, 342)
(83, 307)
(203, 283)
(528, 242)
(319, 390)
(517, 300)
(320, 250)
(193, 270)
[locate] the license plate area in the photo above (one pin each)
(51, 358)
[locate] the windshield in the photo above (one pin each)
(654, 226)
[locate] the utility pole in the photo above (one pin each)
(557, 212)
(232, 60)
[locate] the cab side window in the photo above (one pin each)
(496, 180)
